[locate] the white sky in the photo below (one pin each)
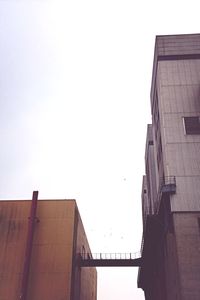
(75, 81)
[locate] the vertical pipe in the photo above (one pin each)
(29, 243)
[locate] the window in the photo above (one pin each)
(192, 125)
(199, 222)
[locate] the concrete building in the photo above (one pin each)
(171, 187)
(58, 238)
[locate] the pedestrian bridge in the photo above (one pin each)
(109, 259)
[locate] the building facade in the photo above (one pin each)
(58, 239)
(171, 186)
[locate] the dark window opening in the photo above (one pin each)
(192, 125)
(199, 223)
(83, 251)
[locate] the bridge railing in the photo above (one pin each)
(110, 256)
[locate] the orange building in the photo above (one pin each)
(53, 270)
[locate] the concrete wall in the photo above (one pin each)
(172, 279)
(174, 47)
(182, 44)
(175, 94)
(178, 88)
(187, 232)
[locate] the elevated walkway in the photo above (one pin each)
(110, 260)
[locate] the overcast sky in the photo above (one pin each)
(75, 80)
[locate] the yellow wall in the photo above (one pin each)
(85, 279)
(58, 238)
(51, 260)
(13, 228)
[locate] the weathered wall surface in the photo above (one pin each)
(13, 230)
(172, 278)
(85, 279)
(51, 261)
(175, 95)
(58, 233)
(187, 232)
(178, 88)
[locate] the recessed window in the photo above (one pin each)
(198, 220)
(192, 125)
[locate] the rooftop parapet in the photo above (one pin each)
(174, 47)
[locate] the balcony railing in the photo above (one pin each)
(168, 185)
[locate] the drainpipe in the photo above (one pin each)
(29, 244)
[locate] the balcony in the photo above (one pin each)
(168, 185)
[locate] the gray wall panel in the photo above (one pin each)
(178, 88)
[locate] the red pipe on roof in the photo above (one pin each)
(29, 244)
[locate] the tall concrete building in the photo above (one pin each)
(171, 186)
(47, 267)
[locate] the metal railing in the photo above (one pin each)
(170, 180)
(167, 185)
(109, 260)
(110, 256)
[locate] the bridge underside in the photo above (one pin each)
(111, 262)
